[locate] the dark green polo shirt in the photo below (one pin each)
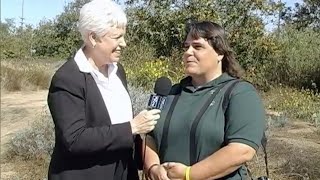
(243, 122)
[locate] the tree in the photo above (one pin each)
(46, 41)
(66, 27)
(60, 37)
(15, 41)
(162, 22)
(161, 25)
(7, 29)
(304, 15)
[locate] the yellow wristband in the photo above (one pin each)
(187, 174)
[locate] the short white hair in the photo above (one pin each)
(99, 16)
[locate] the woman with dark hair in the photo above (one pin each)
(213, 122)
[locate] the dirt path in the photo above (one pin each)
(301, 134)
(293, 152)
(18, 110)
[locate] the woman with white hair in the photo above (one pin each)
(90, 105)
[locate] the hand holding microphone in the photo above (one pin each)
(145, 121)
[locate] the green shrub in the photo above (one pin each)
(36, 141)
(301, 104)
(139, 98)
(301, 52)
(149, 71)
(316, 119)
(280, 120)
(291, 58)
(261, 72)
(143, 68)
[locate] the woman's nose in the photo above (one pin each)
(122, 42)
(189, 51)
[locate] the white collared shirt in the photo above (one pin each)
(114, 94)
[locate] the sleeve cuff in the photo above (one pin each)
(126, 138)
(246, 142)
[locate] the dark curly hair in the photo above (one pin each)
(216, 37)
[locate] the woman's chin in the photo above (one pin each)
(190, 71)
(115, 59)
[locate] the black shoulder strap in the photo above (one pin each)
(164, 138)
(227, 93)
(225, 105)
(264, 141)
(176, 89)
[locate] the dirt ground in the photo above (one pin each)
(18, 111)
(293, 150)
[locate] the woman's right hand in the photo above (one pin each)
(145, 121)
(158, 173)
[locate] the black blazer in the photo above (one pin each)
(87, 145)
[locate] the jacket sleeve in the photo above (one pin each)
(66, 100)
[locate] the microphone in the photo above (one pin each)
(162, 89)
(157, 100)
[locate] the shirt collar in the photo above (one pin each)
(187, 82)
(82, 62)
(84, 65)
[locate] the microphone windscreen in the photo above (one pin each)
(162, 86)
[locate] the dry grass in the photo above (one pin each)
(18, 75)
(24, 169)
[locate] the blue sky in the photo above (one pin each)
(37, 10)
(34, 10)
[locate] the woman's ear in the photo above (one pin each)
(92, 39)
(220, 57)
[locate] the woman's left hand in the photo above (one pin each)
(175, 170)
